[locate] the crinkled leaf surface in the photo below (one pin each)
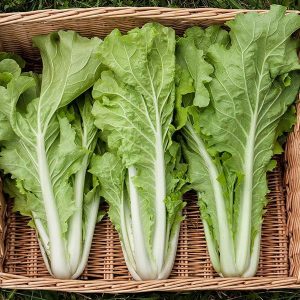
(10, 67)
(134, 108)
(45, 153)
(230, 142)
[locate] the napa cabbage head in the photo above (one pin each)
(46, 157)
(235, 94)
(141, 175)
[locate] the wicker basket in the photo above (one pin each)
(21, 264)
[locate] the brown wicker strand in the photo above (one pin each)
(2, 227)
(177, 14)
(292, 180)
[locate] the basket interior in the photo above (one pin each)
(22, 255)
(106, 260)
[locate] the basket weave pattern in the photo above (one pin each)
(21, 264)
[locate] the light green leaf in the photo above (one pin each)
(10, 67)
(110, 171)
(230, 143)
(134, 106)
(46, 157)
(18, 59)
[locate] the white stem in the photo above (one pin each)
(58, 258)
(128, 224)
(143, 263)
(125, 229)
(42, 234)
(171, 255)
(160, 187)
(160, 206)
(213, 253)
(75, 225)
(131, 268)
(254, 260)
(127, 243)
(243, 236)
(45, 257)
(226, 247)
(92, 212)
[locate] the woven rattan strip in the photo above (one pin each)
(2, 227)
(121, 12)
(292, 178)
(131, 286)
(106, 260)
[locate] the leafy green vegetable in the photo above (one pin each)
(141, 176)
(233, 97)
(49, 154)
(10, 66)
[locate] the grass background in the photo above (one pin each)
(28, 5)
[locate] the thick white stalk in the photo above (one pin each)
(254, 260)
(160, 187)
(45, 257)
(125, 229)
(58, 257)
(171, 255)
(160, 206)
(127, 243)
(131, 268)
(243, 236)
(213, 253)
(75, 225)
(143, 264)
(92, 212)
(226, 245)
(42, 234)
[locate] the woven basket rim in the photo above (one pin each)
(168, 285)
(137, 8)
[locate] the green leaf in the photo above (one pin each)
(110, 171)
(231, 141)
(46, 155)
(134, 106)
(18, 59)
(10, 67)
